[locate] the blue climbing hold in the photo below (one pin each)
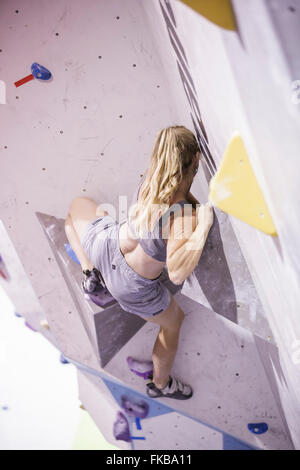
(70, 252)
(63, 360)
(40, 72)
(140, 368)
(258, 428)
(18, 315)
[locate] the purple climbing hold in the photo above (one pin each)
(121, 428)
(140, 368)
(30, 327)
(134, 407)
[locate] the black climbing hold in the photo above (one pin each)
(113, 266)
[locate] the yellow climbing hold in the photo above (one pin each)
(219, 12)
(235, 190)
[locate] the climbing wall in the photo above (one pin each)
(139, 421)
(121, 71)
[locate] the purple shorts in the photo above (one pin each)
(134, 293)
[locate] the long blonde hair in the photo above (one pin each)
(173, 152)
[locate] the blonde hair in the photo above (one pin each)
(174, 150)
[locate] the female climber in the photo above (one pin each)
(166, 226)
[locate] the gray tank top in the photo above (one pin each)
(152, 242)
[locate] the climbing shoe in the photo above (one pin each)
(94, 288)
(173, 389)
(93, 280)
